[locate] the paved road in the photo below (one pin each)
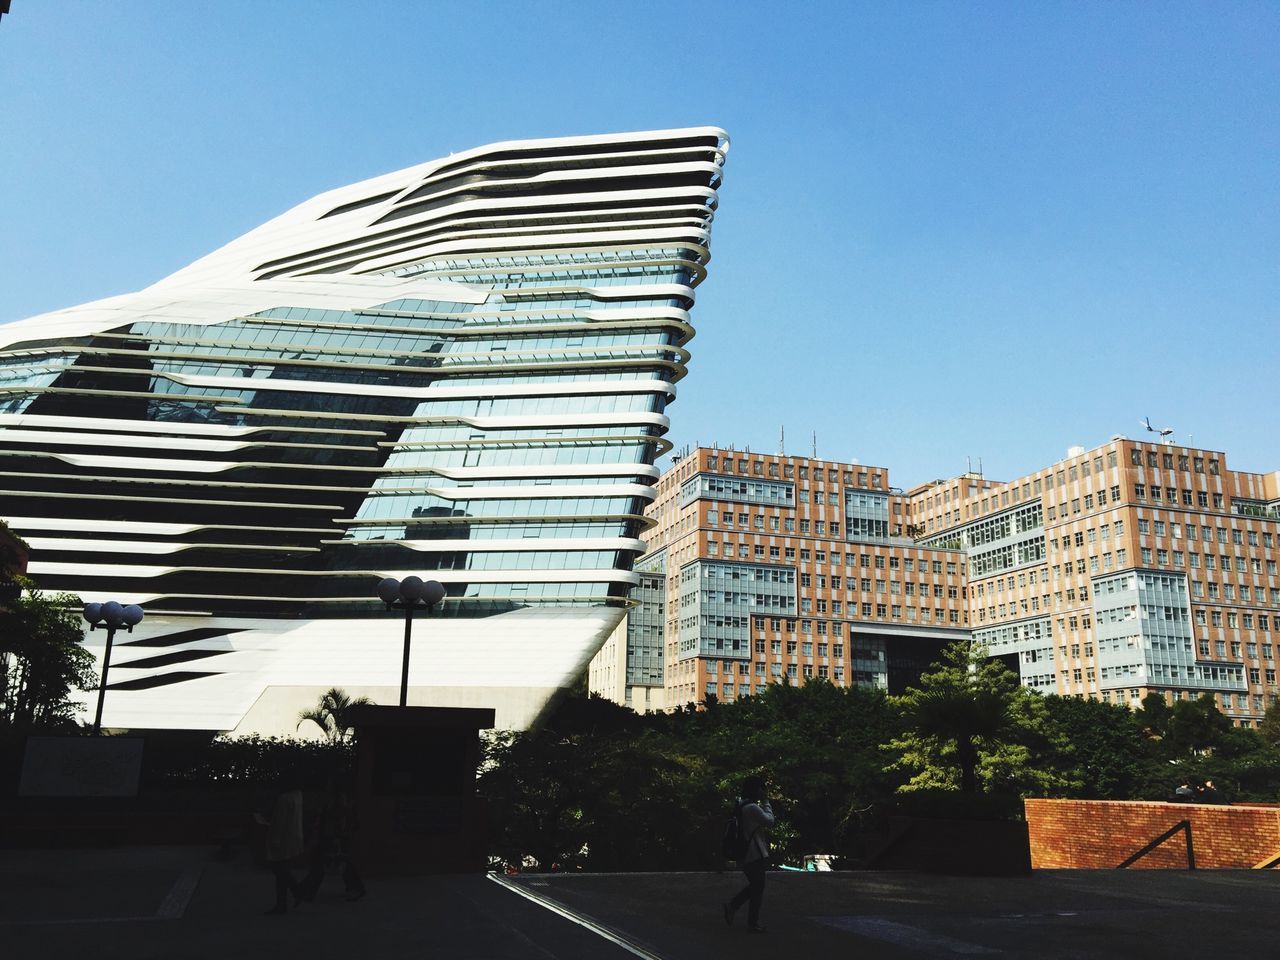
(176, 903)
(1051, 915)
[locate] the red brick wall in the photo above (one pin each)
(1101, 834)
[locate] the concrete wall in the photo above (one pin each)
(1101, 834)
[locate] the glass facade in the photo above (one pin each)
(866, 515)
(646, 623)
(1145, 636)
(460, 370)
(717, 601)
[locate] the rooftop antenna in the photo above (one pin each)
(1166, 435)
(980, 466)
(968, 464)
(815, 444)
(782, 440)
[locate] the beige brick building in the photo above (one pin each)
(1129, 568)
(778, 569)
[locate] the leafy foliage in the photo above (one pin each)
(42, 663)
(1101, 749)
(601, 787)
(970, 725)
(332, 714)
(1269, 728)
(252, 761)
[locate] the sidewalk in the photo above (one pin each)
(1049, 915)
(177, 903)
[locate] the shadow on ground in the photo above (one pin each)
(185, 902)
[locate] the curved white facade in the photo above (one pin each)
(459, 370)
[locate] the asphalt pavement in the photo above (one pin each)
(187, 902)
(175, 903)
(1049, 915)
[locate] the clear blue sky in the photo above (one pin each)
(946, 229)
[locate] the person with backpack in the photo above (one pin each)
(747, 841)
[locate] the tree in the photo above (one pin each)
(1156, 714)
(42, 662)
(1196, 726)
(971, 725)
(1269, 727)
(332, 714)
(818, 746)
(1108, 755)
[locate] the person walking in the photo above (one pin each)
(332, 841)
(322, 845)
(755, 817)
(284, 845)
(353, 886)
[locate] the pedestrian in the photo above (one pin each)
(353, 886)
(321, 844)
(755, 817)
(332, 842)
(284, 845)
(1184, 794)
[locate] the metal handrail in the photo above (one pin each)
(1180, 825)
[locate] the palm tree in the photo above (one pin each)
(332, 714)
(963, 704)
(968, 719)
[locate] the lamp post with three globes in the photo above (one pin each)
(111, 616)
(407, 595)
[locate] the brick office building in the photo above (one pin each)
(777, 569)
(1122, 570)
(1129, 568)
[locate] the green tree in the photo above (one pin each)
(971, 725)
(1107, 755)
(332, 714)
(43, 662)
(1196, 726)
(599, 786)
(818, 746)
(1156, 714)
(1269, 727)
(12, 549)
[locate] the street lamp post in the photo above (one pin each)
(407, 595)
(111, 616)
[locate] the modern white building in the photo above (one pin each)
(459, 371)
